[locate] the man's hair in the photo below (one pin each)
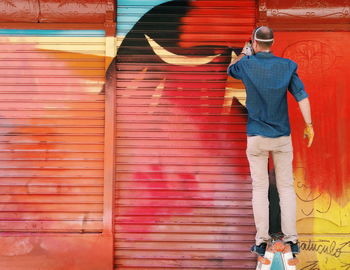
(263, 36)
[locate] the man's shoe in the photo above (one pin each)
(260, 249)
(294, 247)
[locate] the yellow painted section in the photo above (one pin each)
(111, 50)
(234, 90)
(323, 225)
(179, 60)
(322, 252)
(88, 45)
(73, 48)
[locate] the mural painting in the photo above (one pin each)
(175, 61)
(182, 180)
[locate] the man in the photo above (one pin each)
(267, 79)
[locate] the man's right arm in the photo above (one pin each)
(305, 109)
(296, 87)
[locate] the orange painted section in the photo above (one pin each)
(56, 199)
(54, 252)
(52, 104)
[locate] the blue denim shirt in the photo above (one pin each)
(267, 79)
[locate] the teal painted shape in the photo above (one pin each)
(277, 263)
(51, 33)
(130, 11)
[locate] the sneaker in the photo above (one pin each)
(294, 247)
(260, 249)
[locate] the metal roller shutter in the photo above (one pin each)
(52, 130)
(183, 192)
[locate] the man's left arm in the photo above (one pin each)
(235, 60)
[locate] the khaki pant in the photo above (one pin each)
(258, 149)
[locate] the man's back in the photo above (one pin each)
(267, 78)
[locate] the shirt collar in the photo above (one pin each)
(264, 54)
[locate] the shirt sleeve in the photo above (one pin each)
(235, 70)
(296, 86)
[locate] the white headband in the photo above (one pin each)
(259, 39)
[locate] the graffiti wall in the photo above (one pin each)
(182, 177)
(182, 185)
(183, 190)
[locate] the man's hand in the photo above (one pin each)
(309, 133)
(247, 49)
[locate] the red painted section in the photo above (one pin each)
(217, 23)
(307, 15)
(182, 183)
(19, 10)
(167, 149)
(322, 59)
(77, 11)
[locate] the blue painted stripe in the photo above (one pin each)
(150, 3)
(131, 11)
(52, 33)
